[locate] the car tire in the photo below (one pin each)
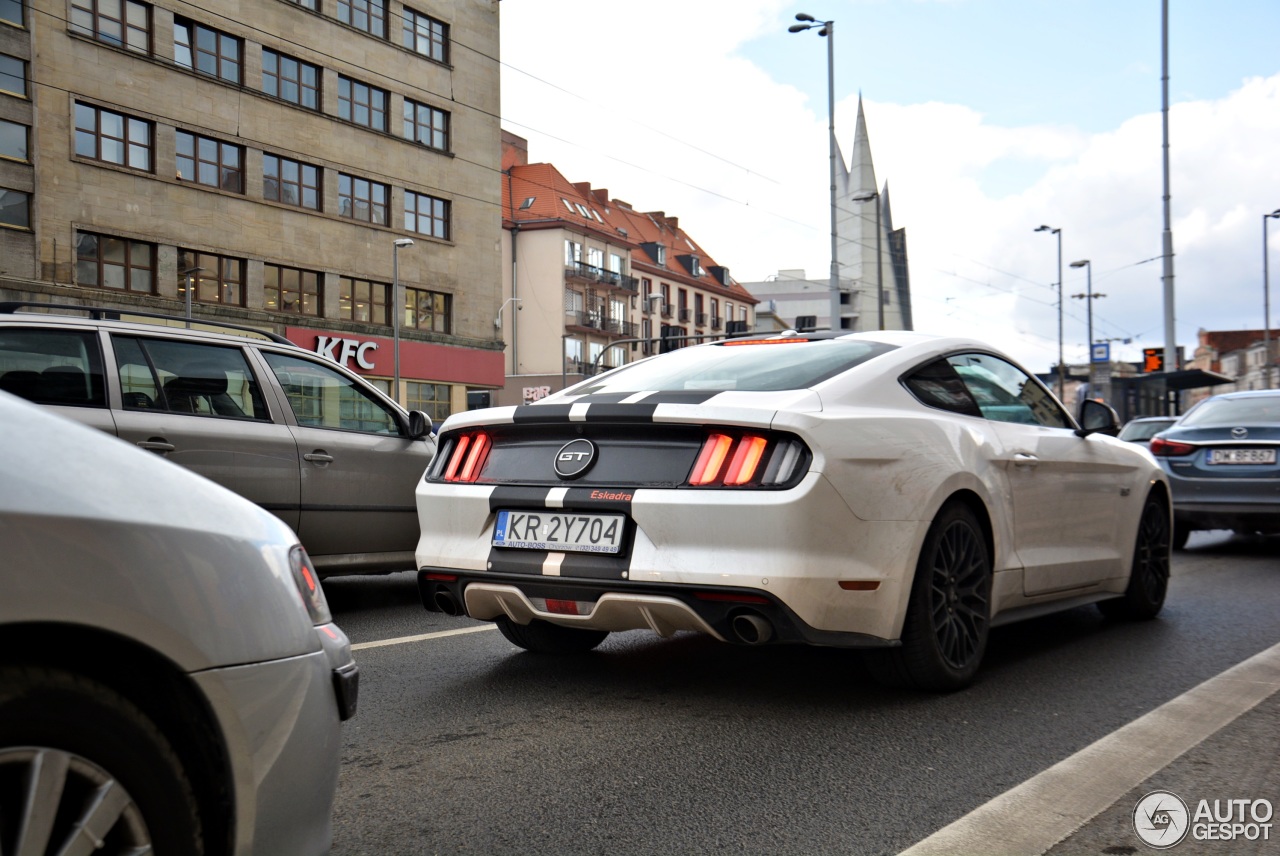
(74, 753)
(1149, 576)
(1181, 532)
(948, 619)
(543, 637)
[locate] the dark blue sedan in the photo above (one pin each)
(1221, 458)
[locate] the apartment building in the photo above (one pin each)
(591, 284)
(278, 163)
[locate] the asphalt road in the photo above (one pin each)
(463, 744)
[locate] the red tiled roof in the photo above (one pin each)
(556, 200)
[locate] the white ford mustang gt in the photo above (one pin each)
(889, 491)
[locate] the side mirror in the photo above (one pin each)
(1097, 418)
(419, 424)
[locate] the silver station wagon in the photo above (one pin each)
(312, 443)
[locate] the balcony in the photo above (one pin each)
(686, 315)
(591, 273)
(700, 319)
(597, 322)
(716, 322)
(667, 309)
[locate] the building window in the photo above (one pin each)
(287, 289)
(15, 140)
(13, 75)
(431, 398)
(210, 162)
(206, 50)
(106, 262)
(219, 280)
(11, 11)
(124, 24)
(363, 104)
(362, 300)
(291, 79)
(15, 209)
(113, 137)
(572, 253)
(307, 4)
(426, 215)
(427, 310)
(426, 125)
(367, 15)
(361, 199)
(426, 35)
(291, 182)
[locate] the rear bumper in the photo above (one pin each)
(1245, 517)
(617, 606)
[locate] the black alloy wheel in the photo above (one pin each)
(1149, 577)
(949, 615)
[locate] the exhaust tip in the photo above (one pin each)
(752, 629)
(446, 603)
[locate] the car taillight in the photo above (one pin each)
(1169, 448)
(308, 583)
(462, 458)
(735, 460)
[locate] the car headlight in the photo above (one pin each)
(308, 583)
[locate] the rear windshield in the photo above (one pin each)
(1144, 430)
(767, 366)
(1230, 412)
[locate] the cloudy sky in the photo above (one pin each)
(987, 118)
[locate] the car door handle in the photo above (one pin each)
(1022, 459)
(318, 457)
(157, 444)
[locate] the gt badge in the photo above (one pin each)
(575, 458)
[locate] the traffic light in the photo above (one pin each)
(1152, 360)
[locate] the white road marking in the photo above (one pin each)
(1075, 790)
(422, 637)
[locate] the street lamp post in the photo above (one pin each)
(866, 197)
(1061, 369)
(827, 30)
(1088, 296)
(396, 319)
(188, 275)
(1266, 304)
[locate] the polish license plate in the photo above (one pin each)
(559, 531)
(1242, 456)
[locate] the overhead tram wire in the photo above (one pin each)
(454, 42)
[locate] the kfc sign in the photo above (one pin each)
(342, 350)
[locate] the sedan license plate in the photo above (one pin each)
(1242, 456)
(559, 531)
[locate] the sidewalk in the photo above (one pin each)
(1217, 741)
(1241, 761)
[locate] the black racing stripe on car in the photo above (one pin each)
(621, 412)
(541, 413)
(682, 396)
(516, 561)
(511, 496)
(604, 398)
(595, 566)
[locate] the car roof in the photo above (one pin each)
(202, 329)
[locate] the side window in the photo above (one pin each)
(324, 398)
(938, 385)
(1005, 393)
(187, 377)
(52, 366)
